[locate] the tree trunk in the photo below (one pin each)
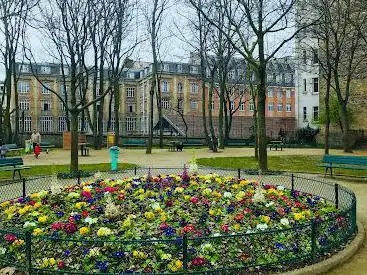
(220, 120)
(160, 115)
(261, 129)
(346, 135)
(211, 126)
(327, 116)
(151, 117)
(74, 167)
(117, 113)
(16, 104)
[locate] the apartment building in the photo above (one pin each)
(181, 93)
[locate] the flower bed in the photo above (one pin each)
(167, 224)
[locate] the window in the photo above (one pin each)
(82, 125)
(251, 106)
(66, 70)
(242, 106)
(288, 107)
(46, 124)
(131, 75)
(179, 87)
(194, 69)
(131, 109)
(315, 56)
(45, 105)
(165, 86)
(270, 92)
(166, 67)
(45, 88)
(288, 93)
(270, 107)
(283, 78)
(304, 113)
(64, 89)
(98, 92)
(304, 85)
(23, 87)
(130, 124)
(27, 127)
(274, 77)
(316, 113)
(292, 78)
(113, 124)
(212, 105)
(315, 85)
(304, 56)
(23, 104)
(280, 94)
(45, 69)
(194, 105)
(130, 92)
(194, 89)
(231, 106)
(165, 103)
(180, 104)
(24, 68)
(61, 126)
(232, 74)
(280, 107)
(62, 106)
(179, 68)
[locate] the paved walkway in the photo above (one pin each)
(159, 157)
(162, 158)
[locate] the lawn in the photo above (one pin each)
(295, 163)
(55, 169)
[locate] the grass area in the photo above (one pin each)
(296, 163)
(55, 169)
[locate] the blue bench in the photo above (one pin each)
(343, 162)
(134, 143)
(191, 143)
(12, 147)
(13, 164)
(240, 142)
(45, 145)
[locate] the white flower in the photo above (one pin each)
(90, 220)
(94, 252)
(29, 224)
(97, 175)
(259, 196)
(249, 231)
(2, 251)
(269, 204)
(216, 235)
(156, 206)
(227, 194)
(280, 187)
(262, 226)
(284, 221)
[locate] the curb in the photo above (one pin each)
(336, 260)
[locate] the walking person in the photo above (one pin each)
(3, 150)
(36, 140)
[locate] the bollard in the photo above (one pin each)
(78, 177)
(292, 183)
(134, 171)
(239, 173)
(24, 190)
(336, 195)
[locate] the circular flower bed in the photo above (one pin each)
(166, 224)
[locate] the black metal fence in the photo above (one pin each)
(305, 243)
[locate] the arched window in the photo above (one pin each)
(179, 87)
(165, 86)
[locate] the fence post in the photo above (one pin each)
(239, 173)
(23, 188)
(28, 252)
(292, 182)
(78, 177)
(313, 240)
(336, 195)
(184, 252)
(135, 171)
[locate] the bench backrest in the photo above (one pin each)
(134, 141)
(11, 162)
(11, 146)
(192, 142)
(345, 160)
(44, 143)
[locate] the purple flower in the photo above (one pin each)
(60, 214)
(67, 253)
(77, 217)
(169, 231)
(102, 265)
(280, 246)
(119, 254)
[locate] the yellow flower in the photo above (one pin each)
(179, 190)
(37, 205)
(52, 261)
(80, 205)
(307, 213)
(104, 231)
(235, 186)
(265, 219)
(139, 254)
(126, 223)
(187, 197)
(178, 264)
(298, 216)
(34, 196)
(211, 212)
(244, 182)
(37, 231)
(84, 230)
(237, 227)
(42, 219)
(4, 204)
(163, 218)
(18, 242)
(10, 210)
(149, 216)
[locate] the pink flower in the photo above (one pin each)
(239, 217)
(10, 238)
(110, 189)
(60, 265)
(70, 228)
(225, 227)
(194, 200)
(85, 213)
(163, 226)
(188, 228)
(87, 194)
(198, 261)
(57, 226)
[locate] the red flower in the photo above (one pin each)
(87, 194)
(121, 196)
(281, 211)
(32, 202)
(247, 211)
(85, 213)
(71, 219)
(110, 189)
(225, 227)
(163, 226)
(297, 204)
(93, 207)
(198, 261)
(239, 217)
(188, 228)
(194, 200)
(60, 265)
(57, 226)
(169, 203)
(98, 190)
(70, 228)
(10, 238)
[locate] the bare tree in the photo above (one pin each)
(253, 22)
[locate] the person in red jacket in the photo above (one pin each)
(37, 150)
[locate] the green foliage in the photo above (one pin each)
(334, 113)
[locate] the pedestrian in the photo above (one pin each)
(36, 139)
(3, 150)
(37, 150)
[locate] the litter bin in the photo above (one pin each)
(114, 155)
(110, 139)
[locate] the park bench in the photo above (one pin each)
(275, 144)
(12, 164)
(45, 145)
(12, 147)
(134, 143)
(343, 162)
(239, 142)
(191, 143)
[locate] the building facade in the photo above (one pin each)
(181, 94)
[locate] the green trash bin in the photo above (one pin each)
(114, 155)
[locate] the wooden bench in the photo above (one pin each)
(343, 162)
(239, 142)
(12, 147)
(46, 146)
(13, 164)
(134, 143)
(191, 143)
